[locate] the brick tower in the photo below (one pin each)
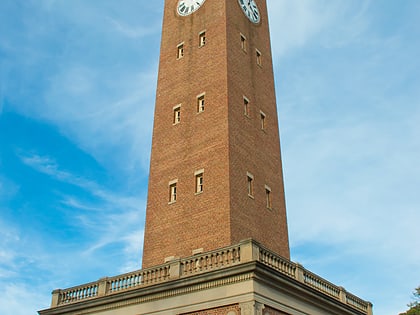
(216, 198)
(215, 171)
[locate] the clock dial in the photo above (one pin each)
(250, 9)
(186, 7)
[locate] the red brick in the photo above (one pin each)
(221, 140)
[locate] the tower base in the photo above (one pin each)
(244, 279)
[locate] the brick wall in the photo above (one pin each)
(220, 140)
(231, 310)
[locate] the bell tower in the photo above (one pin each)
(215, 171)
(216, 240)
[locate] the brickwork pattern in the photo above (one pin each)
(221, 140)
(271, 311)
(252, 149)
(230, 309)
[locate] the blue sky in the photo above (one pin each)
(77, 89)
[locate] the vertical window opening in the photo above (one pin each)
(250, 179)
(202, 39)
(200, 103)
(177, 115)
(199, 181)
(268, 197)
(262, 115)
(180, 51)
(172, 191)
(259, 58)
(246, 106)
(243, 42)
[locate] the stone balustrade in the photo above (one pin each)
(75, 294)
(245, 252)
(210, 260)
(277, 262)
(320, 284)
(358, 303)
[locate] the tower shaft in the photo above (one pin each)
(215, 171)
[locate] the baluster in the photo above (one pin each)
(145, 277)
(204, 266)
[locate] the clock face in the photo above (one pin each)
(186, 7)
(250, 9)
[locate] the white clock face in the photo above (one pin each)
(250, 9)
(186, 7)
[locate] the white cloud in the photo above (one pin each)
(120, 219)
(295, 24)
(49, 166)
(349, 134)
(8, 253)
(83, 75)
(108, 226)
(130, 31)
(349, 126)
(20, 299)
(347, 182)
(113, 128)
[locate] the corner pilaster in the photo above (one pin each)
(251, 308)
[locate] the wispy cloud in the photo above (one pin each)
(110, 219)
(115, 129)
(299, 23)
(49, 166)
(349, 113)
(8, 253)
(13, 296)
(103, 237)
(130, 31)
(347, 85)
(85, 78)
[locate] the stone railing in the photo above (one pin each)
(319, 284)
(277, 262)
(310, 279)
(210, 260)
(106, 286)
(171, 270)
(246, 251)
